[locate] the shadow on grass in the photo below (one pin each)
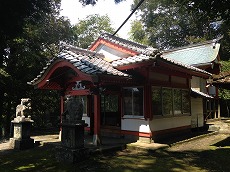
(223, 143)
(171, 139)
(43, 159)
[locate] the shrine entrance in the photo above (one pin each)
(110, 110)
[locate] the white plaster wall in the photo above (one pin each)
(197, 112)
(195, 83)
(135, 124)
(199, 84)
(111, 54)
(203, 85)
(168, 123)
(87, 120)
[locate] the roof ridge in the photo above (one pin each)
(79, 50)
(124, 40)
(140, 48)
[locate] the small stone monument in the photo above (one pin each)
(22, 124)
(72, 136)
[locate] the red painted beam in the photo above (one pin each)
(78, 92)
(44, 80)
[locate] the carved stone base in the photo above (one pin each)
(71, 155)
(72, 138)
(21, 144)
(21, 137)
(72, 135)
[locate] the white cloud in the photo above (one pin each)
(116, 12)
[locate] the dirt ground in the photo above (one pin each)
(199, 144)
(219, 137)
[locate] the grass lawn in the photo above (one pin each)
(43, 159)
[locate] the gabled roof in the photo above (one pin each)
(196, 54)
(139, 48)
(144, 54)
(86, 61)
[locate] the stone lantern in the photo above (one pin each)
(72, 136)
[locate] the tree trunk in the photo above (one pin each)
(1, 90)
(227, 107)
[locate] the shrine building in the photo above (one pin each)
(128, 89)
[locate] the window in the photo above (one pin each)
(185, 101)
(167, 107)
(133, 101)
(109, 103)
(177, 101)
(170, 101)
(156, 100)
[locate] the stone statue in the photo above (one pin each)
(21, 126)
(22, 109)
(73, 110)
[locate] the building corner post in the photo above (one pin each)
(97, 119)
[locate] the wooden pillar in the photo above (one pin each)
(61, 112)
(62, 108)
(97, 120)
(90, 113)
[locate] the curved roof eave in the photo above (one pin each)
(195, 55)
(88, 64)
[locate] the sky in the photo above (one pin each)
(117, 13)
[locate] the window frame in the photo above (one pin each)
(123, 103)
(172, 100)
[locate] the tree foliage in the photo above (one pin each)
(25, 54)
(88, 30)
(137, 33)
(168, 24)
(94, 2)
(215, 9)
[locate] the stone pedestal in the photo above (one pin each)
(72, 138)
(21, 136)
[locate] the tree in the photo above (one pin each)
(26, 55)
(13, 14)
(167, 24)
(137, 33)
(215, 9)
(93, 2)
(88, 30)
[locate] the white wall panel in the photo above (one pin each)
(169, 123)
(139, 125)
(87, 120)
(197, 112)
